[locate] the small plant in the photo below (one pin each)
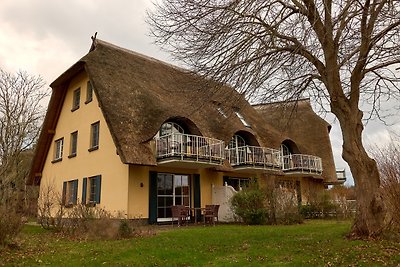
(124, 230)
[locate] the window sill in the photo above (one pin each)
(56, 160)
(74, 108)
(91, 204)
(88, 101)
(93, 148)
(72, 156)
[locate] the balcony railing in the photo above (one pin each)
(302, 163)
(190, 147)
(254, 156)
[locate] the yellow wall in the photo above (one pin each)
(104, 161)
(138, 197)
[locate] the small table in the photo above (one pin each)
(194, 213)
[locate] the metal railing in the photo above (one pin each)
(190, 147)
(254, 156)
(302, 163)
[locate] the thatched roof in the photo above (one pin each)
(300, 124)
(137, 94)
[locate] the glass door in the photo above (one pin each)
(172, 189)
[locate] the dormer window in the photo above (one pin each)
(241, 118)
(76, 99)
(237, 141)
(285, 150)
(170, 128)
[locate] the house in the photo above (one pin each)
(135, 136)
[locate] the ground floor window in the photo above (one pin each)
(70, 189)
(172, 189)
(237, 183)
(91, 190)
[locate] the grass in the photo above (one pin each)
(315, 243)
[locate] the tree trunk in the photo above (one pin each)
(370, 214)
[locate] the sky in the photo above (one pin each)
(46, 37)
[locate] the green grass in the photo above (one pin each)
(315, 243)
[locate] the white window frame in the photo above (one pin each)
(58, 148)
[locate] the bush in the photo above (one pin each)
(248, 204)
(10, 225)
(387, 159)
(286, 208)
(321, 207)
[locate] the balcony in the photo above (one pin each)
(250, 158)
(189, 151)
(299, 163)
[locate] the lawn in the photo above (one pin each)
(315, 243)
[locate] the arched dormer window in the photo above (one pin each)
(237, 141)
(170, 128)
(285, 150)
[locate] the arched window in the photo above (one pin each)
(285, 150)
(170, 128)
(236, 141)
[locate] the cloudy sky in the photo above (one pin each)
(45, 37)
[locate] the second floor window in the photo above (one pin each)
(74, 144)
(76, 99)
(94, 136)
(89, 92)
(58, 149)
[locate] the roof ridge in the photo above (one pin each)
(281, 102)
(152, 59)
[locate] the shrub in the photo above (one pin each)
(387, 159)
(248, 204)
(286, 206)
(10, 225)
(321, 207)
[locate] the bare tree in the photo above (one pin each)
(21, 114)
(341, 53)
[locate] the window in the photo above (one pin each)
(74, 144)
(285, 150)
(94, 136)
(172, 189)
(89, 92)
(221, 111)
(91, 190)
(70, 190)
(76, 99)
(241, 118)
(236, 182)
(237, 141)
(170, 128)
(58, 149)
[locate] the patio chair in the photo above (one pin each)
(211, 213)
(181, 213)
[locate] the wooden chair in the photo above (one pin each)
(211, 214)
(181, 213)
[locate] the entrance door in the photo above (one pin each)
(172, 189)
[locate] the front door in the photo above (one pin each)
(172, 189)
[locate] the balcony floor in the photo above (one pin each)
(187, 162)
